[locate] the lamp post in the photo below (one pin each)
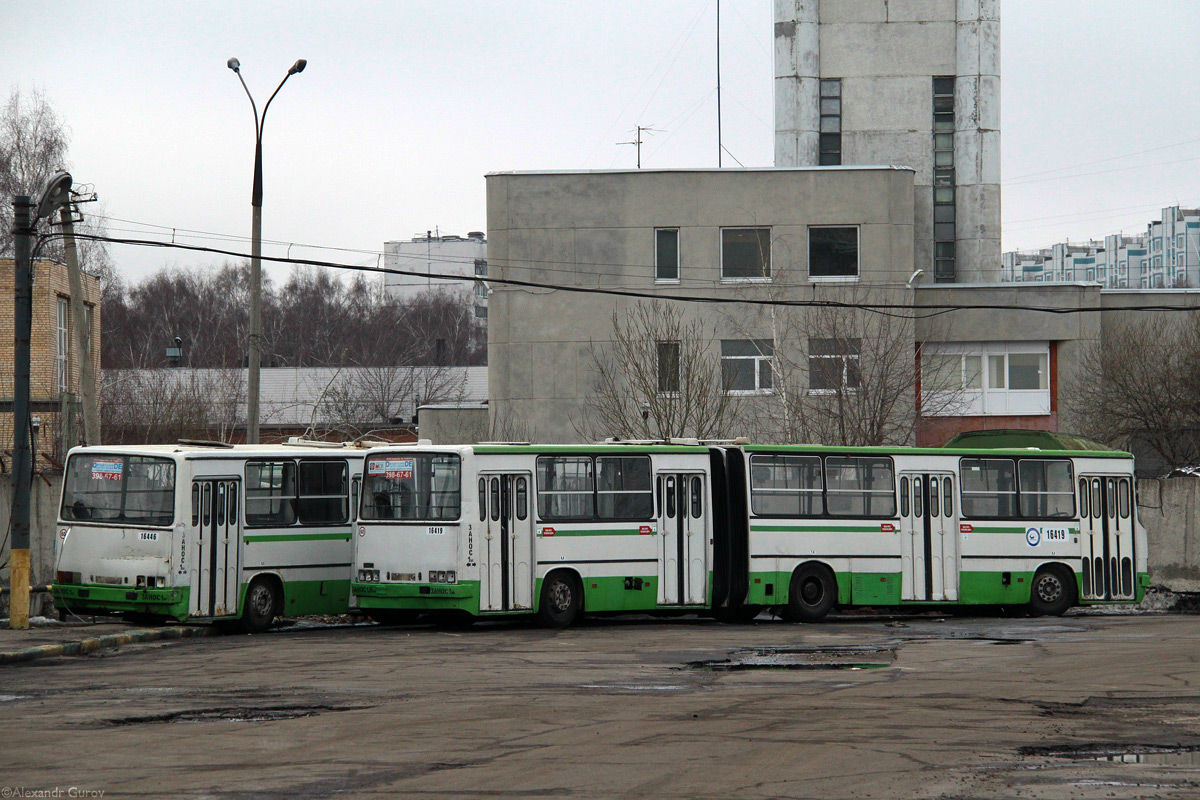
(255, 360)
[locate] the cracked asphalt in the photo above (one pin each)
(857, 707)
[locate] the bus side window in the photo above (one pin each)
(195, 504)
(522, 499)
(933, 497)
(670, 506)
(904, 497)
(697, 500)
(482, 499)
(354, 488)
(1085, 503)
(220, 504)
(948, 495)
(206, 505)
(917, 498)
(495, 499)
(1097, 498)
(232, 498)
(1123, 498)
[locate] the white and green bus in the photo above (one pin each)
(487, 530)
(207, 531)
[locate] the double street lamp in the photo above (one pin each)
(255, 360)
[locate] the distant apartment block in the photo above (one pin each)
(1166, 256)
(439, 254)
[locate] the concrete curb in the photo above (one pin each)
(95, 643)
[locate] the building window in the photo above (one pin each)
(745, 254)
(831, 122)
(481, 312)
(833, 365)
(982, 378)
(668, 367)
(746, 366)
(666, 254)
(64, 342)
(943, 180)
(833, 253)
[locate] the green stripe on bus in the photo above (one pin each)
(604, 532)
(818, 528)
(298, 537)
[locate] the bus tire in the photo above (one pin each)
(261, 605)
(812, 594)
(560, 601)
(1052, 593)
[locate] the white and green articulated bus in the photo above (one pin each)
(207, 531)
(551, 530)
(1044, 529)
(732, 530)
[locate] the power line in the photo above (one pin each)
(909, 309)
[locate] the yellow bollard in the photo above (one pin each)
(18, 600)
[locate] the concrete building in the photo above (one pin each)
(54, 373)
(912, 83)
(437, 253)
(1166, 256)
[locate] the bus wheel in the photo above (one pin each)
(560, 601)
(1051, 594)
(812, 594)
(262, 604)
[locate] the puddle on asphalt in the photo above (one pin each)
(798, 658)
(233, 714)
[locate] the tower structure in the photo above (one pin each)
(917, 84)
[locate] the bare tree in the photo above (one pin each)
(659, 378)
(839, 373)
(163, 406)
(1139, 388)
(362, 399)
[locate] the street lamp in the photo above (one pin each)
(255, 361)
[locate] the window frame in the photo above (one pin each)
(824, 494)
(1017, 493)
(658, 265)
(846, 358)
(673, 386)
(454, 510)
(756, 367)
(767, 275)
(857, 276)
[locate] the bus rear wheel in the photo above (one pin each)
(261, 606)
(1052, 594)
(560, 601)
(812, 594)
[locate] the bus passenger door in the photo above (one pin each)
(214, 581)
(1106, 526)
(507, 574)
(928, 537)
(682, 540)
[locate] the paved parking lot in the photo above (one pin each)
(917, 707)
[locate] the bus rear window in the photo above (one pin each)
(128, 490)
(413, 487)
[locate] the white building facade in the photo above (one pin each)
(1166, 256)
(437, 254)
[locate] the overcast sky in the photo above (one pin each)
(406, 105)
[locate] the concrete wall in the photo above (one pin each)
(454, 425)
(1169, 509)
(596, 229)
(45, 492)
(886, 55)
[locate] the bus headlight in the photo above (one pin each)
(451, 577)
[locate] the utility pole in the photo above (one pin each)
(23, 222)
(720, 146)
(87, 380)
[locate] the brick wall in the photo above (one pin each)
(50, 282)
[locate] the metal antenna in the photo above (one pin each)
(637, 141)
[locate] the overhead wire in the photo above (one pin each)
(905, 309)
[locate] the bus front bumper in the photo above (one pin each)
(418, 596)
(172, 602)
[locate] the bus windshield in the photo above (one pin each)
(412, 487)
(132, 490)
